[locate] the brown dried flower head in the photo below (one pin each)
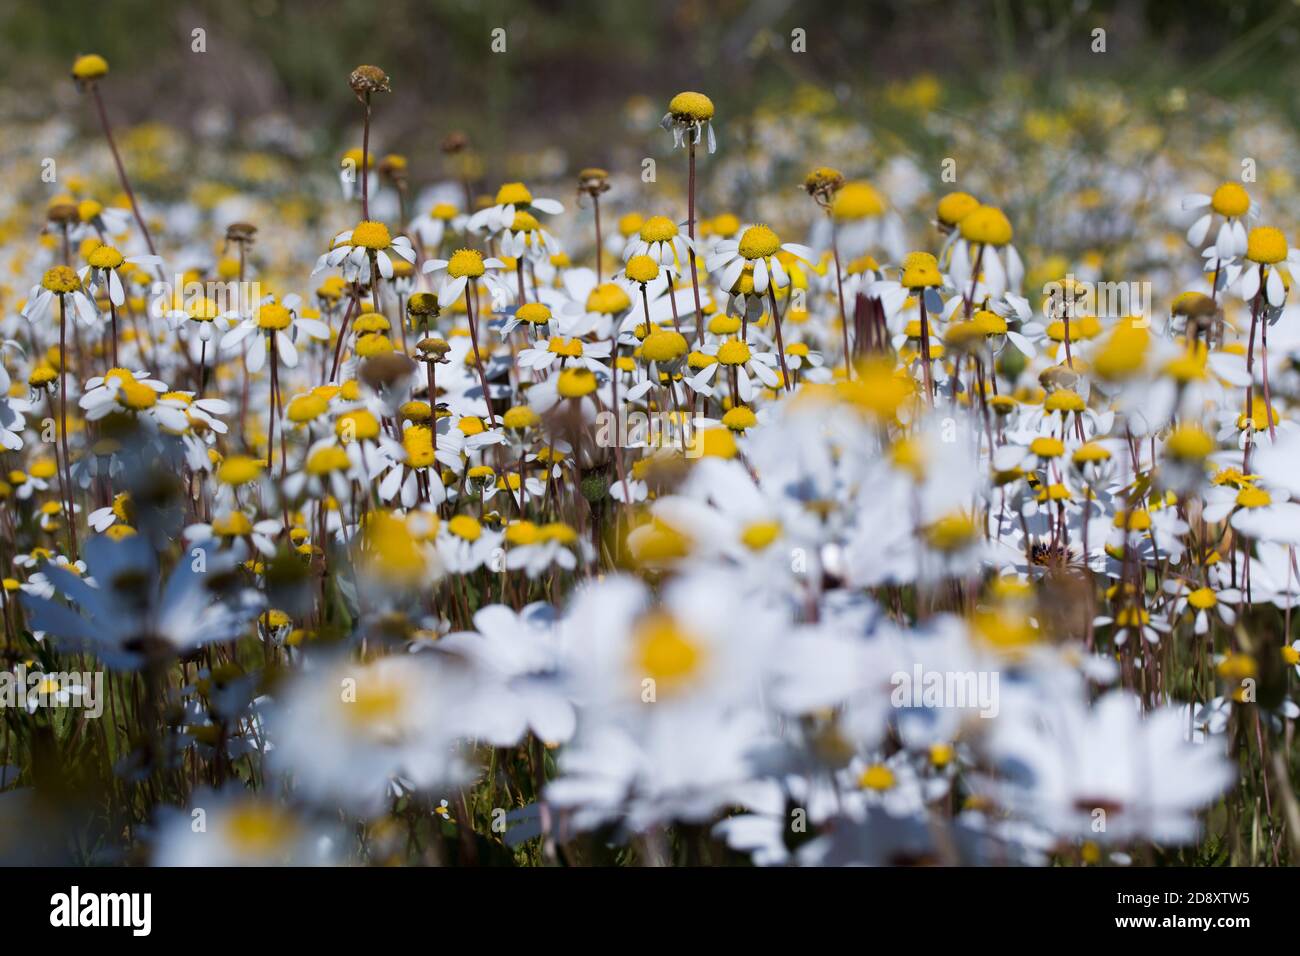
(593, 180)
(240, 232)
(367, 79)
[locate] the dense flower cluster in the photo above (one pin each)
(431, 533)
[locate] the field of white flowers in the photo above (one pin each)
(778, 499)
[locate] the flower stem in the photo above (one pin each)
(365, 161)
(690, 231)
(780, 345)
(121, 171)
(595, 203)
(63, 422)
(478, 358)
(839, 288)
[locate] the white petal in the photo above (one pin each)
(1196, 234)
(1250, 283)
(285, 349)
(256, 356)
(1276, 289)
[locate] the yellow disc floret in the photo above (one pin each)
(371, 235)
(1230, 200)
(694, 107)
(759, 242)
(466, 264)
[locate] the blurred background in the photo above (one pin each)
(572, 69)
(1080, 134)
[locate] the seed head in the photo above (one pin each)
(367, 79)
(241, 232)
(593, 181)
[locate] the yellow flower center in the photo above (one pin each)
(258, 829)
(418, 443)
(759, 242)
(524, 222)
(135, 396)
(1123, 353)
(733, 352)
(234, 525)
(1064, 400)
(327, 459)
(1202, 599)
(89, 67)
(371, 235)
(724, 324)
(1090, 452)
(642, 269)
(61, 280)
(691, 106)
(514, 194)
(1133, 520)
(557, 531)
(465, 264)
(520, 417)
(1047, 447)
(1189, 442)
(663, 345)
(306, 408)
(1266, 245)
(951, 532)
(359, 425)
(954, 207)
(858, 201)
(1230, 200)
(986, 224)
(1004, 628)
(521, 533)
(666, 653)
(1254, 498)
(392, 550)
(760, 534)
(576, 382)
(377, 706)
(572, 348)
(105, 257)
(658, 229)
(466, 527)
(739, 418)
(921, 270)
(630, 223)
(726, 224)
(717, 443)
(534, 313)
(877, 777)
(608, 299)
(273, 317)
(1237, 667)
(239, 470)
